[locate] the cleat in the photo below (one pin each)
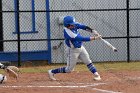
(97, 78)
(51, 75)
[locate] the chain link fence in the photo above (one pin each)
(32, 30)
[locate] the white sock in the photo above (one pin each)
(96, 74)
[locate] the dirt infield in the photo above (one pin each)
(75, 82)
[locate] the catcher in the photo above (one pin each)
(12, 71)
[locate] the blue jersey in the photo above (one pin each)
(73, 39)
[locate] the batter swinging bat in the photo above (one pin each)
(107, 43)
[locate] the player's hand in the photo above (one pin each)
(98, 37)
(96, 33)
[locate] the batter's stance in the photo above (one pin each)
(75, 48)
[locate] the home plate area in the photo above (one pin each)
(68, 85)
(124, 82)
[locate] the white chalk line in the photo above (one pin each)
(42, 86)
(134, 78)
(105, 91)
(67, 86)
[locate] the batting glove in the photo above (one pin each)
(96, 33)
(98, 37)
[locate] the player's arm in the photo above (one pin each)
(72, 36)
(81, 38)
(84, 27)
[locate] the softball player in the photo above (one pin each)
(75, 48)
(3, 78)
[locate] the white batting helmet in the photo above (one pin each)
(3, 78)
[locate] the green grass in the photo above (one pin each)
(119, 66)
(115, 66)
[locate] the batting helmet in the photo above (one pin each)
(3, 78)
(69, 20)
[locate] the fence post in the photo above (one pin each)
(48, 30)
(18, 31)
(128, 35)
(1, 27)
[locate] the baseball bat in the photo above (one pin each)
(107, 43)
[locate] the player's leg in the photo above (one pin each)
(71, 62)
(84, 56)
